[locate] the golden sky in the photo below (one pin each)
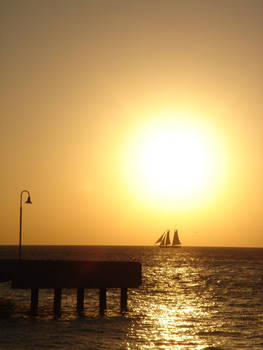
(126, 118)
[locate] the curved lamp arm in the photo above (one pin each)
(28, 201)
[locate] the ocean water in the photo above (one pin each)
(190, 298)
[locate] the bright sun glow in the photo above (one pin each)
(173, 160)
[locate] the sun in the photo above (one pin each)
(173, 160)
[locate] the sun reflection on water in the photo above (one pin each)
(171, 324)
(179, 308)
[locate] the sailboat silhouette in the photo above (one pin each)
(165, 241)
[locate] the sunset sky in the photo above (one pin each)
(126, 118)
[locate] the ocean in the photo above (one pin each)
(190, 298)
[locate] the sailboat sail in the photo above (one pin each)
(160, 239)
(164, 240)
(167, 241)
(176, 239)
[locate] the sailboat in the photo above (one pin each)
(165, 242)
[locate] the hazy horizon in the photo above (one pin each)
(126, 245)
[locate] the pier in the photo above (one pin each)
(81, 275)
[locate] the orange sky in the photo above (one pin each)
(84, 83)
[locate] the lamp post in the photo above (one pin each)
(28, 201)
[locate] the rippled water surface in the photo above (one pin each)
(191, 298)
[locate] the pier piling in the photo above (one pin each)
(57, 300)
(103, 301)
(80, 299)
(34, 300)
(124, 299)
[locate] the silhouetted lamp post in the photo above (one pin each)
(28, 201)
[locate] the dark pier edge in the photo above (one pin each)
(59, 274)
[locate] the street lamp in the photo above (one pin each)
(28, 201)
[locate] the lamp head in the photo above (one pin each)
(28, 201)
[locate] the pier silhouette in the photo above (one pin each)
(81, 275)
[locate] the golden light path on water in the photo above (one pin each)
(174, 313)
(169, 328)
